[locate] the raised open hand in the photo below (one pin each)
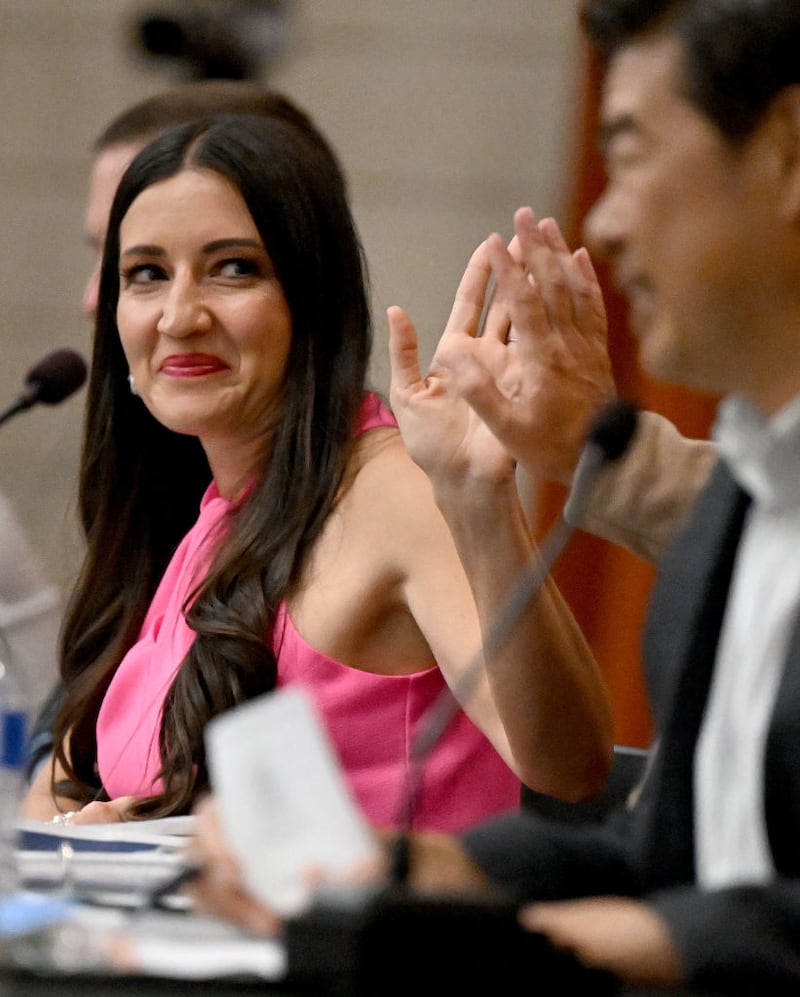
(441, 431)
(562, 373)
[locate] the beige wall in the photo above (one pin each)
(446, 114)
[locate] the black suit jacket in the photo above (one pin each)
(738, 940)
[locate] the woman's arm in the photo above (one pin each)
(40, 802)
(545, 685)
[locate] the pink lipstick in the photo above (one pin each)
(192, 365)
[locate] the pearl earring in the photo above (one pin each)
(132, 384)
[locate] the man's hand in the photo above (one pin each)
(219, 888)
(626, 937)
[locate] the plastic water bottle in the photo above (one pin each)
(13, 735)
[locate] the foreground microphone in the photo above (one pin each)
(608, 439)
(53, 379)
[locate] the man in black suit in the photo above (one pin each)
(699, 882)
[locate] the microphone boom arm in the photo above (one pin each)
(19, 405)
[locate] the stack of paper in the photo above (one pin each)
(119, 864)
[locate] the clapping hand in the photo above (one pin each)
(537, 373)
(443, 434)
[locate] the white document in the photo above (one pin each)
(283, 799)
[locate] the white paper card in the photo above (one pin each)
(283, 799)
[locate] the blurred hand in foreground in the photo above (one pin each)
(623, 936)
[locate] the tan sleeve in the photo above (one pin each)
(641, 500)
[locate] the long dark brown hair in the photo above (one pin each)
(141, 484)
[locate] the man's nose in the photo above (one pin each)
(602, 231)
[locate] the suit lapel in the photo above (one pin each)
(680, 643)
(781, 763)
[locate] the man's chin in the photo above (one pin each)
(661, 362)
(670, 367)
(655, 356)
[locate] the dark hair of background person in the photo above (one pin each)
(733, 65)
(140, 484)
(201, 99)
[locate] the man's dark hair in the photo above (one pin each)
(738, 54)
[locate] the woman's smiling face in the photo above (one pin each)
(202, 318)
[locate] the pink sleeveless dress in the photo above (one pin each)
(370, 718)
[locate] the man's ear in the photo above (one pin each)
(786, 132)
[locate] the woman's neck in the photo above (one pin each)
(233, 464)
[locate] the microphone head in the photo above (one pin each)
(608, 440)
(55, 377)
(613, 429)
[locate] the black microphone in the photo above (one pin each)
(374, 940)
(609, 438)
(54, 378)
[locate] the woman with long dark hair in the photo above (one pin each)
(228, 374)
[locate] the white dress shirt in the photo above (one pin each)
(731, 843)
